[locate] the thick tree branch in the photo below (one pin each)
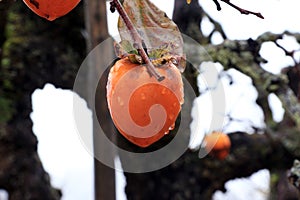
(244, 57)
(192, 178)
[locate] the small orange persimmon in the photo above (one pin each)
(142, 108)
(51, 9)
(217, 144)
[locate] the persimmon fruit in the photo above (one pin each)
(51, 9)
(217, 144)
(142, 108)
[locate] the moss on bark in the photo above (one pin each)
(34, 52)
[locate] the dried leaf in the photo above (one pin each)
(162, 55)
(154, 26)
(124, 48)
(135, 59)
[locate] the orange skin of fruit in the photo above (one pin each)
(167, 93)
(217, 144)
(51, 9)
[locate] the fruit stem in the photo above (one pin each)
(115, 4)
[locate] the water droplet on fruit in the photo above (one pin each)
(143, 96)
(120, 101)
(164, 91)
(171, 117)
(172, 127)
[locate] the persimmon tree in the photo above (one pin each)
(30, 57)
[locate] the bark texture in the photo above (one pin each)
(97, 32)
(34, 52)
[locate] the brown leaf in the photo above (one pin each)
(155, 28)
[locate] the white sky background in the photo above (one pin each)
(59, 147)
(69, 164)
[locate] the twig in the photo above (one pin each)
(115, 4)
(217, 4)
(243, 11)
(217, 28)
(287, 53)
(291, 55)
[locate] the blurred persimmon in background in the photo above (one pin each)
(51, 9)
(217, 144)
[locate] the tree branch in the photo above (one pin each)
(217, 4)
(242, 11)
(287, 53)
(200, 178)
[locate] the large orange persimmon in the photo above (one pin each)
(217, 144)
(51, 9)
(142, 108)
